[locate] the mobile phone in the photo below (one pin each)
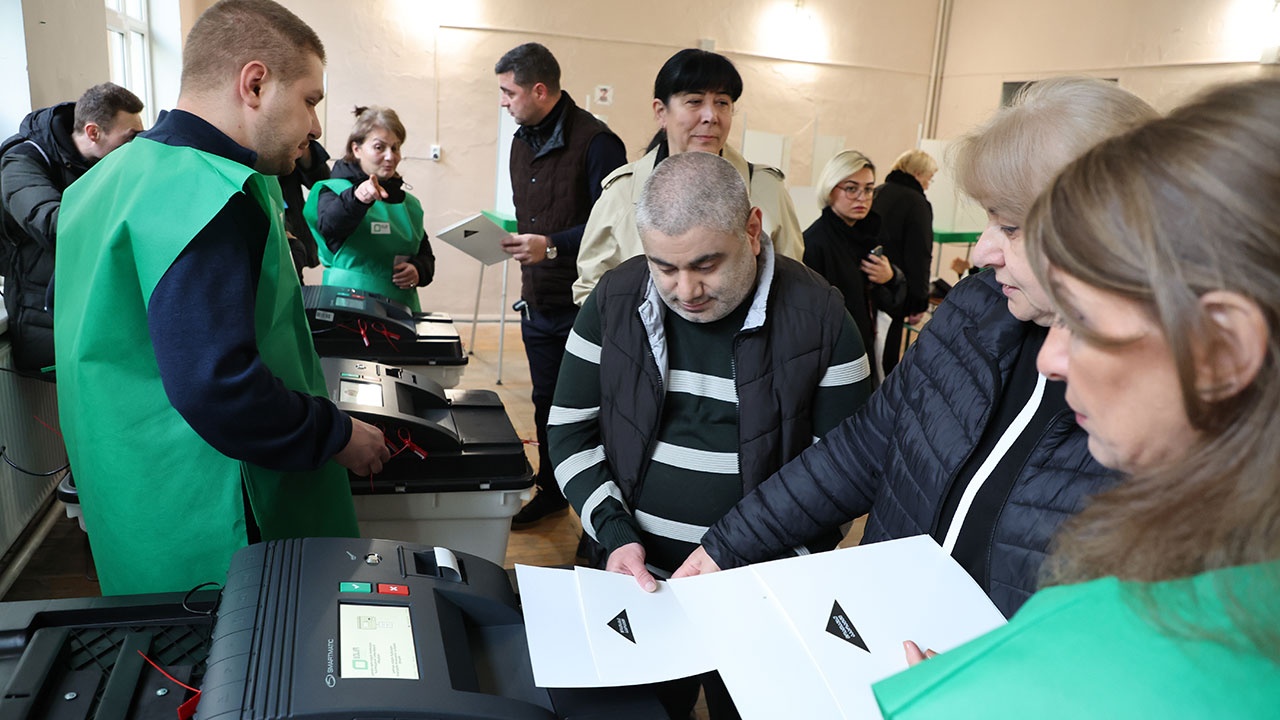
(878, 251)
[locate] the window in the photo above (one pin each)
(129, 51)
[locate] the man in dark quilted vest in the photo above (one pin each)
(560, 156)
(693, 373)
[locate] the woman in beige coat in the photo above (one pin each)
(693, 98)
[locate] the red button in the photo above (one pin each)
(386, 589)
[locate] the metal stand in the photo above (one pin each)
(502, 317)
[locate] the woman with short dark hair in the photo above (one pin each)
(693, 102)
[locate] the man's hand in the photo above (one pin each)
(369, 191)
(527, 249)
(878, 269)
(629, 560)
(366, 451)
(915, 318)
(698, 563)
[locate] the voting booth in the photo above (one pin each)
(458, 470)
(308, 629)
(350, 323)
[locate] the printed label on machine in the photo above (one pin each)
(377, 642)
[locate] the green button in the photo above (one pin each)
(355, 587)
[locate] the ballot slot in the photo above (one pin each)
(441, 440)
(438, 562)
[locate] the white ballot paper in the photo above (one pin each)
(799, 637)
(479, 237)
(597, 629)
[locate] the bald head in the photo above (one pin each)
(700, 235)
(691, 190)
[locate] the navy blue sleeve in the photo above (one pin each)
(201, 320)
(605, 154)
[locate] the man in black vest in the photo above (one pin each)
(692, 374)
(53, 147)
(561, 155)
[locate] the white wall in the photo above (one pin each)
(66, 48)
(15, 89)
(1162, 50)
(852, 68)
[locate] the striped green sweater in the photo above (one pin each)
(693, 476)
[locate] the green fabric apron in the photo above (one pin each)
(366, 257)
(1091, 650)
(163, 508)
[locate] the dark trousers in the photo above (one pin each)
(545, 334)
(893, 345)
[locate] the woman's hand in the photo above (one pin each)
(369, 191)
(914, 655)
(878, 269)
(405, 275)
(698, 563)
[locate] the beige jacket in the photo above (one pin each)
(611, 236)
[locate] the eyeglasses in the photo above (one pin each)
(856, 191)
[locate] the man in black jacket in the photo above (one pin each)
(53, 147)
(559, 158)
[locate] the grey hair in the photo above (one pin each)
(694, 190)
(1008, 161)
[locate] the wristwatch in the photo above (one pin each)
(551, 250)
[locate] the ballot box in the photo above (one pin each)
(350, 323)
(458, 470)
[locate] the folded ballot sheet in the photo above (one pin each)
(799, 637)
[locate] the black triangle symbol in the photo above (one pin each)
(842, 627)
(468, 233)
(622, 626)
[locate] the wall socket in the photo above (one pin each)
(435, 153)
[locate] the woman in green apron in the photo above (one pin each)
(1159, 252)
(371, 227)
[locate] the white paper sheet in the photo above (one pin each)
(479, 237)
(558, 644)
(633, 633)
(848, 612)
(800, 637)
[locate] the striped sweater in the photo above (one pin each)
(692, 477)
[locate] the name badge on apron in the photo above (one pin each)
(380, 228)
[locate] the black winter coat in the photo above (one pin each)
(835, 250)
(39, 164)
(907, 226)
(897, 457)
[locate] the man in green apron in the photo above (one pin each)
(190, 393)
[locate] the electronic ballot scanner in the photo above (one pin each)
(351, 323)
(346, 629)
(440, 440)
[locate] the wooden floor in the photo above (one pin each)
(61, 567)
